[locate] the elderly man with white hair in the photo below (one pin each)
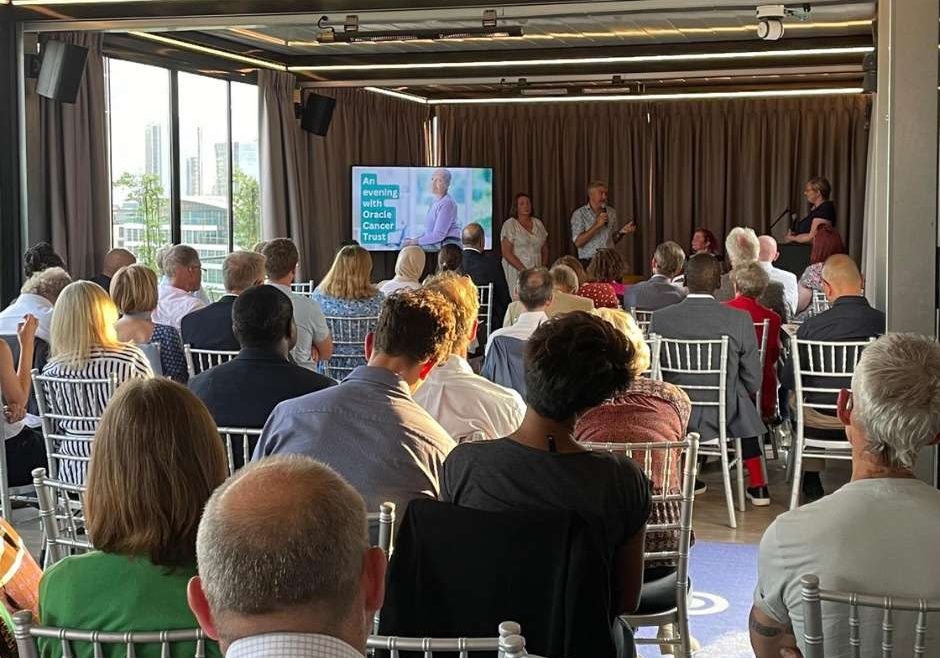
(767, 257)
(183, 271)
(742, 246)
(879, 533)
(37, 298)
(441, 224)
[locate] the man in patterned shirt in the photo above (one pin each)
(594, 225)
(285, 566)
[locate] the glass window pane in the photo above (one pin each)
(246, 177)
(204, 171)
(139, 115)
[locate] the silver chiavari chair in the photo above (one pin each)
(349, 343)
(819, 304)
(813, 638)
(61, 516)
(26, 633)
(762, 329)
(238, 442)
(700, 368)
(385, 519)
(829, 365)
(302, 287)
(655, 346)
(509, 643)
(669, 531)
(485, 314)
(643, 319)
(69, 410)
(199, 360)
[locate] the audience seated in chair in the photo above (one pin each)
(743, 246)
(850, 318)
(750, 281)
(467, 405)
(183, 271)
(485, 269)
(409, 267)
(564, 298)
(767, 257)
(347, 292)
(536, 293)
(370, 429)
(39, 257)
(25, 449)
(210, 328)
(827, 243)
(449, 258)
(85, 346)
(314, 343)
(156, 460)
(243, 392)
(701, 317)
(574, 363)
(318, 599)
(134, 291)
(605, 285)
(114, 260)
(659, 291)
(877, 533)
(37, 298)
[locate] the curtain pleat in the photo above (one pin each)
(75, 190)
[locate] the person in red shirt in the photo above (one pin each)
(750, 280)
(605, 279)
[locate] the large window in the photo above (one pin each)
(184, 166)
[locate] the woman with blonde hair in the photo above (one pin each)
(134, 292)
(408, 270)
(346, 292)
(85, 346)
(144, 531)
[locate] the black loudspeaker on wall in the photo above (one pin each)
(63, 65)
(317, 114)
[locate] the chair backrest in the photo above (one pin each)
(643, 319)
(669, 532)
(62, 517)
(761, 328)
(813, 638)
(152, 352)
(385, 518)
(820, 303)
(70, 410)
(239, 444)
(508, 644)
(26, 633)
(700, 368)
(654, 372)
(349, 343)
(199, 360)
(302, 287)
(821, 369)
(485, 314)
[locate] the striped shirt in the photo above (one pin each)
(125, 362)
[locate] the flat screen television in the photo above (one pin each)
(393, 207)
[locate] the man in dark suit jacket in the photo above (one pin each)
(659, 291)
(850, 318)
(483, 269)
(210, 328)
(702, 317)
(244, 391)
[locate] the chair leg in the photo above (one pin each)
(773, 443)
(739, 473)
(726, 478)
(797, 469)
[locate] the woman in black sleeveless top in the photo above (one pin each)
(822, 211)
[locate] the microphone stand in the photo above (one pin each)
(777, 221)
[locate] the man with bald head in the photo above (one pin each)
(113, 261)
(484, 269)
(850, 318)
(767, 257)
(284, 562)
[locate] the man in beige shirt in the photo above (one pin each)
(565, 283)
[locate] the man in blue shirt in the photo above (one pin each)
(594, 225)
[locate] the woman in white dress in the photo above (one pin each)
(523, 241)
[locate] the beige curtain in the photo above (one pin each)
(552, 152)
(367, 129)
(75, 199)
(721, 164)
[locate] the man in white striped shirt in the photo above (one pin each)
(317, 596)
(183, 270)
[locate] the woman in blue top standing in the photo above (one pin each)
(351, 305)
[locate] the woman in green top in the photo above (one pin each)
(155, 461)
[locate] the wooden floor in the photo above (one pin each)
(710, 517)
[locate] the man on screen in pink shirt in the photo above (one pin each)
(441, 224)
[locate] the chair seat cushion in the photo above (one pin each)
(659, 595)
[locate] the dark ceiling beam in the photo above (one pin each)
(124, 46)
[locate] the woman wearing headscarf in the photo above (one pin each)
(408, 270)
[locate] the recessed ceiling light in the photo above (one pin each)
(711, 95)
(210, 51)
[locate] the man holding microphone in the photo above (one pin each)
(594, 225)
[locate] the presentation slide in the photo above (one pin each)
(393, 207)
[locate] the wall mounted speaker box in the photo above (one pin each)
(63, 65)
(317, 114)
